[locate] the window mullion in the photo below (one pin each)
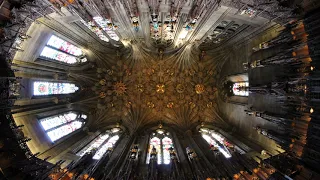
(161, 149)
(51, 129)
(61, 51)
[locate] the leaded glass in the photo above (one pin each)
(64, 46)
(220, 147)
(95, 144)
(61, 125)
(53, 88)
(107, 26)
(166, 144)
(102, 150)
(240, 89)
(64, 130)
(55, 121)
(217, 141)
(155, 142)
(96, 29)
(57, 55)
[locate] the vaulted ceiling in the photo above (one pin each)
(164, 68)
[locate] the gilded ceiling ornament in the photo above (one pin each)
(160, 88)
(128, 72)
(128, 104)
(119, 88)
(140, 87)
(209, 105)
(150, 104)
(180, 88)
(102, 95)
(170, 105)
(191, 72)
(199, 88)
(109, 72)
(150, 71)
(192, 105)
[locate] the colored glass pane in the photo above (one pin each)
(241, 89)
(64, 46)
(51, 88)
(107, 26)
(96, 29)
(51, 122)
(64, 130)
(102, 150)
(166, 145)
(155, 143)
(95, 144)
(57, 55)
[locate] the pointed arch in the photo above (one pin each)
(160, 141)
(102, 143)
(63, 51)
(44, 88)
(61, 125)
(219, 143)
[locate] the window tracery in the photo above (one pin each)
(62, 51)
(61, 125)
(102, 143)
(42, 88)
(107, 26)
(219, 143)
(241, 88)
(161, 142)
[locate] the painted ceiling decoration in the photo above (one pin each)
(158, 88)
(159, 70)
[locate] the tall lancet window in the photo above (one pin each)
(43, 88)
(102, 143)
(95, 29)
(107, 26)
(62, 51)
(241, 88)
(219, 143)
(61, 125)
(161, 141)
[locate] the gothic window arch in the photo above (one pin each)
(102, 143)
(219, 143)
(162, 141)
(95, 29)
(107, 26)
(61, 125)
(241, 88)
(44, 88)
(60, 50)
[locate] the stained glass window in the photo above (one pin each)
(166, 144)
(57, 55)
(102, 143)
(64, 46)
(61, 125)
(241, 89)
(249, 12)
(95, 144)
(51, 88)
(96, 29)
(162, 143)
(218, 141)
(63, 51)
(107, 26)
(109, 144)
